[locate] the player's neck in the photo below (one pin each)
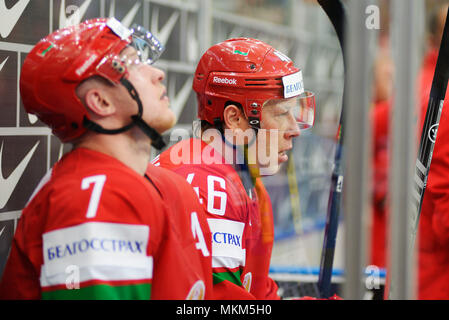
(134, 153)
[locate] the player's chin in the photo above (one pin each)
(282, 157)
(164, 122)
(269, 170)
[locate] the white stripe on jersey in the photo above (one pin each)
(72, 274)
(227, 262)
(156, 161)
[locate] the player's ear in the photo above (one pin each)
(96, 97)
(98, 102)
(234, 118)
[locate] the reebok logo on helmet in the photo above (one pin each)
(86, 65)
(224, 80)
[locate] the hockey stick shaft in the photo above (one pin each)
(336, 13)
(430, 126)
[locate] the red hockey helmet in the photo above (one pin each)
(61, 61)
(249, 72)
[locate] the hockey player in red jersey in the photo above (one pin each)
(96, 227)
(252, 103)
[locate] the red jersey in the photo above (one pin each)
(434, 220)
(188, 219)
(96, 229)
(239, 215)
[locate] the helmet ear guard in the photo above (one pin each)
(255, 113)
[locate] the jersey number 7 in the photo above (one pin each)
(98, 182)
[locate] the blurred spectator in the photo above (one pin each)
(382, 95)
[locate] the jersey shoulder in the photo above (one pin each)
(218, 187)
(105, 191)
(191, 151)
(173, 186)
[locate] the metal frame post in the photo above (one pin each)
(359, 47)
(405, 47)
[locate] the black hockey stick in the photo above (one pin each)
(337, 15)
(430, 126)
